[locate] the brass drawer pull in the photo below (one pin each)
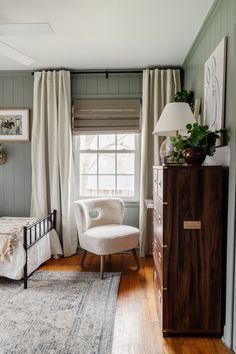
(163, 246)
(159, 218)
(159, 183)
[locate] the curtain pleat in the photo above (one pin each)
(52, 155)
(159, 87)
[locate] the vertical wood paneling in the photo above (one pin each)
(221, 22)
(18, 161)
(92, 85)
(113, 84)
(16, 91)
(131, 216)
(102, 85)
(123, 84)
(98, 86)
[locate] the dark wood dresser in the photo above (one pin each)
(187, 248)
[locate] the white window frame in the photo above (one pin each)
(136, 152)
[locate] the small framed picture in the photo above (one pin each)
(14, 125)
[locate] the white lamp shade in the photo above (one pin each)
(174, 117)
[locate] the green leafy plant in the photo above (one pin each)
(198, 136)
(184, 96)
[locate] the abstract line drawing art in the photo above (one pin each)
(214, 87)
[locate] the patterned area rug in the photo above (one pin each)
(61, 312)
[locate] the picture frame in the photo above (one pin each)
(214, 87)
(14, 125)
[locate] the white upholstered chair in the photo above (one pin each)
(100, 229)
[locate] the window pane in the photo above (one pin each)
(125, 186)
(125, 142)
(106, 163)
(106, 185)
(107, 142)
(106, 173)
(88, 163)
(125, 163)
(88, 185)
(88, 142)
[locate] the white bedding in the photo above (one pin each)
(13, 265)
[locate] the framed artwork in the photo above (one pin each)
(214, 88)
(14, 125)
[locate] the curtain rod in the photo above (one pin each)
(105, 72)
(116, 71)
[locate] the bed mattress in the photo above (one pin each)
(13, 265)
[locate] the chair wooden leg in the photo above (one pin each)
(102, 266)
(83, 258)
(136, 257)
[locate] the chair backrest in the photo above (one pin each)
(98, 211)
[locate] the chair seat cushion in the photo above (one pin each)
(108, 239)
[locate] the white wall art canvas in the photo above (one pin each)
(214, 87)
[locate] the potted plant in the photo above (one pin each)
(193, 148)
(184, 96)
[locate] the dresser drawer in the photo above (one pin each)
(158, 258)
(158, 219)
(158, 182)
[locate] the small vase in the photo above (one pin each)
(194, 156)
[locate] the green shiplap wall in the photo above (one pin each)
(16, 91)
(221, 22)
(98, 86)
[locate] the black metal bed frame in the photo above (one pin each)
(33, 233)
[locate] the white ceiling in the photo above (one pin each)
(104, 34)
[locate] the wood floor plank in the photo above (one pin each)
(137, 329)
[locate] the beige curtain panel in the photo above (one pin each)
(159, 88)
(52, 155)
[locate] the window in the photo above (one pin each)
(107, 165)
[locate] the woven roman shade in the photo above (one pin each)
(106, 115)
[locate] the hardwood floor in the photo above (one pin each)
(137, 329)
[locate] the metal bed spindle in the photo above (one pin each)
(39, 232)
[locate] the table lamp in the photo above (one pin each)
(173, 120)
